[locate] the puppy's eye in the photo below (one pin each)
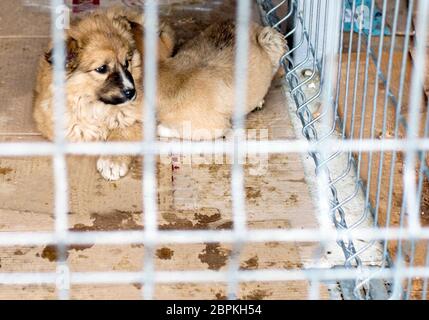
(103, 69)
(127, 64)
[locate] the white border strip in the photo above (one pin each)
(209, 236)
(149, 161)
(168, 277)
(41, 149)
(60, 166)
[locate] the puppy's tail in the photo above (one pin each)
(118, 12)
(273, 43)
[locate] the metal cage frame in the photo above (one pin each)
(314, 31)
(305, 26)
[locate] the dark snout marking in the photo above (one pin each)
(111, 91)
(113, 81)
(113, 100)
(129, 77)
(115, 91)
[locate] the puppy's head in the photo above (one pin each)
(108, 65)
(103, 63)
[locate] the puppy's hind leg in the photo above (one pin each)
(260, 105)
(167, 39)
(113, 168)
(166, 132)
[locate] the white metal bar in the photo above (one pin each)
(415, 105)
(310, 17)
(411, 203)
(314, 291)
(60, 167)
(209, 236)
(25, 149)
(237, 177)
(168, 277)
(330, 10)
(149, 169)
(239, 148)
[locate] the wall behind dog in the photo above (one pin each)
(202, 5)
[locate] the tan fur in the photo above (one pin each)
(111, 35)
(196, 87)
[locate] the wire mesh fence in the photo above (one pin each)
(370, 99)
(353, 76)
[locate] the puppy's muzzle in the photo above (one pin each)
(119, 88)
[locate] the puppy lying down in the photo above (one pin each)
(196, 88)
(103, 75)
(104, 87)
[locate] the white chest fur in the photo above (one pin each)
(88, 120)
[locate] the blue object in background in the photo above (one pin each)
(362, 18)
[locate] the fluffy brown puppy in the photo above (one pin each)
(196, 87)
(103, 78)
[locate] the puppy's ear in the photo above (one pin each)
(72, 51)
(166, 39)
(131, 22)
(167, 43)
(122, 17)
(137, 31)
(122, 22)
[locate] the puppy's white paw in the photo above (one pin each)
(165, 132)
(111, 168)
(260, 105)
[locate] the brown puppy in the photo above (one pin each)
(103, 78)
(196, 87)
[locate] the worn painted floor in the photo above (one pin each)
(191, 196)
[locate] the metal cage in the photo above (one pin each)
(329, 75)
(355, 88)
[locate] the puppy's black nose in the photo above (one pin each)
(130, 93)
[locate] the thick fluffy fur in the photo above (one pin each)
(95, 103)
(196, 89)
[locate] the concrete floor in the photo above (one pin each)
(193, 196)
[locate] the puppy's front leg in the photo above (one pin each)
(113, 168)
